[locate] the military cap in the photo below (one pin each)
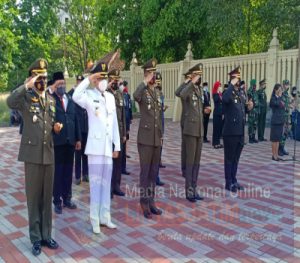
(59, 75)
(197, 69)
(114, 74)
(235, 73)
(158, 78)
(253, 82)
(150, 65)
(286, 82)
(39, 67)
(101, 68)
(187, 74)
(263, 81)
(79, 77)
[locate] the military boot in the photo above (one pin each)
(280, 150)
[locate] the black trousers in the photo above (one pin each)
(64, 160)
(233, 146)
(124, 157)
(117, 171)
(81, 160)
(217, 129)
(149, 165)
(205, 124)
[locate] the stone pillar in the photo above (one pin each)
(132, 83)
(272, 63)
(184, 66)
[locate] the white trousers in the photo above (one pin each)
(100, 172)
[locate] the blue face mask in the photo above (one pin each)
(61, 90)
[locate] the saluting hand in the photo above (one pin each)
(29, 83)
(93, 78)
(149, 77)
(250, 104)
(195, 78)
(234, 81)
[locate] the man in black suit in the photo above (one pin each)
(233, 131)
(65, 144)
(81, 160)
(206, 110)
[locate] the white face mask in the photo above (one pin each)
(121, 88)
(103, 85)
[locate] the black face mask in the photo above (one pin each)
(198, 82)
(40, 85)
(115, 86)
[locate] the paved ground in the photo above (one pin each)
(259, 224)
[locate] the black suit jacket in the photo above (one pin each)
(206, 96)
(234, 112)
(70, 133)
(82, 116)
(278, 110)
(218, 104)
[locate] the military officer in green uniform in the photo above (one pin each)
(192, 95)
(262, 105)
(114, 76)
(149, 138)
(187, 79)
(37, 152)
(253, 114)
(286, 100)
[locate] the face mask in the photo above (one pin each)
(121, 88)
(114, 86)
(152, 81)
(40, 86)
(198, 82)
(103, 85)
(205, 88)
(61, 90)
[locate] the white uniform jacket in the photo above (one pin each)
(102, 117)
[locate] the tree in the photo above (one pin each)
(82, 39)
(8, 40)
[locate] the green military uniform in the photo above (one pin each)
(253, 114)
(149, 139)
(37, 153)
(262, 105)
(286, 100)
(183, 150)
(117, 162)
(192, 95)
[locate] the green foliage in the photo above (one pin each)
(151, 28)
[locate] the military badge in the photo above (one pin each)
(34, 99)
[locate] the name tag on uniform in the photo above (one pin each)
(235, 101)
(97, 101)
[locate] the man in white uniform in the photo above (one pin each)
(103, 133)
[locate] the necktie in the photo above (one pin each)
(62, 103)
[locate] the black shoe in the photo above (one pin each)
(156, 211)
(119, 193)
(85, 178)
(160, 183)
(232, 188)
(198, 197)
(58, 209)
(125, 172)
(273, 159)
(280, 153)
(36, 248)
(239, 187)
(251, 140)
(70, 205)
(206, 141)
(77, 181)
(162, 166)
(255, 141)
(285, 152)
(50, 243)
(128, 156)
(191, 199)
(147, 214)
